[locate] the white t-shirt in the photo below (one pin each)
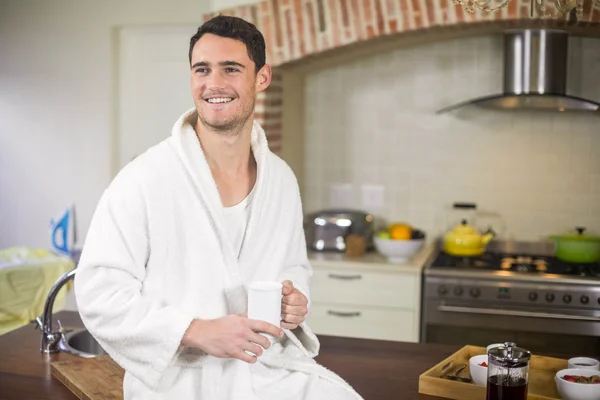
(236, 220)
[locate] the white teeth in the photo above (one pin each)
(220, 100)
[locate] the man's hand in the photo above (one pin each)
(294, 306)
(230, 336)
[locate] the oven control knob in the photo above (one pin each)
(533, 296)
(458, 291)
(475, 293)
(442, 290)
(567, 298)
(585, 299)
(549, 297)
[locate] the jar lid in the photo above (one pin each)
(578, 236)
(509, 356)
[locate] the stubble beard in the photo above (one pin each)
(230, 127)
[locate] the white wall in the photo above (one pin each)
(373, 122)
(57, 104)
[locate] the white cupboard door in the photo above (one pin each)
(153, 86)
(362, 322)
(343, 286)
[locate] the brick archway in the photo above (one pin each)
(295, 29)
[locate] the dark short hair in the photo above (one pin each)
(238, 29)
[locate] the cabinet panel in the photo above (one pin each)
(363, 322)
(340, 286)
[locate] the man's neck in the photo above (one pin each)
(228, 155)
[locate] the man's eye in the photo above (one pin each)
(201, 70)
(231, 69)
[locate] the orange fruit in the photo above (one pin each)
(400, 231)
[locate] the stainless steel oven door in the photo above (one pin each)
(566, 331)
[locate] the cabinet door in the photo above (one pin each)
(368, 288)
(154, 86)
(362, 322)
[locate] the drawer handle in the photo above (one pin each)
(345, 277)
(344, 314)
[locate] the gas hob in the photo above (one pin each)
(524, 265)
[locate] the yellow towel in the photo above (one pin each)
(26, 276)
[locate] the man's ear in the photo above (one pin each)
(263, 78)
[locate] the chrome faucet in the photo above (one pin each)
(50, 338)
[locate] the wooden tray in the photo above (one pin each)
(541, 377)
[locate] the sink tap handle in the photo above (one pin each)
(38, 323)
(61, 329)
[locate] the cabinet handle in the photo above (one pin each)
(345, 277)
(344, 314)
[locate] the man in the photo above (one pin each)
(183, 229)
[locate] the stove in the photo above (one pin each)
(517, 292)
(541, 265)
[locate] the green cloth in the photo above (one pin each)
(26, 276)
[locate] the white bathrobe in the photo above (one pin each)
(157, 255)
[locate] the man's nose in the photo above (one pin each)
(216, 80)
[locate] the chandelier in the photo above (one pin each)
(562, 7)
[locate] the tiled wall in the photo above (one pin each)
(373, 122)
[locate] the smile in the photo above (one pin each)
(217, 100)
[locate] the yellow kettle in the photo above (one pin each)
(465, 241)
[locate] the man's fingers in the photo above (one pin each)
(296, 310)
(242, 355)
(295, 299)
(287, 288)
(265, 327)
(292, 319)
(260, 340)
(286, 325)
(253, 348)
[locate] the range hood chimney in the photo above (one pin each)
(535, 74)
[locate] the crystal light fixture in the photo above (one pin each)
(562, 7)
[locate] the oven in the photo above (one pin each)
(544, 314)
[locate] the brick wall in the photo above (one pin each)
(294, 29)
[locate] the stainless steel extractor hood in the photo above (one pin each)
(535, 74)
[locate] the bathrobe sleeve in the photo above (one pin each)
(298, 268)
(141, 333)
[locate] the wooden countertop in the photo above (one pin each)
(376, 369)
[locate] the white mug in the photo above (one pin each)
(584, 362)
(264, 303)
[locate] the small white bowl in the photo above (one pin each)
(584, 362)
(398, 251)
(493, 345)
(478, 373)
(577, 391)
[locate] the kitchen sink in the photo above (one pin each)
(81, 343)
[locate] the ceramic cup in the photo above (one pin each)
(491, 346)
(584, 362)
(264, 303)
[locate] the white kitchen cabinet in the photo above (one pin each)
(369, 298)
(359, 321)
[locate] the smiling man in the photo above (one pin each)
(181, 232)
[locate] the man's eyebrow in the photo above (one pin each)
(200, 64)
(221, 63)
(231, 64)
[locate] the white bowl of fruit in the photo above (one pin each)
(399, 242)
(578, 384)
(479, 369)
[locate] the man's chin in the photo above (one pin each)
(227, 126)
(221, 126)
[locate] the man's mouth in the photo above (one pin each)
(217, 100)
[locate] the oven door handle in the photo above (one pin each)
(513, 313)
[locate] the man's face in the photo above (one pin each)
(224, 83)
